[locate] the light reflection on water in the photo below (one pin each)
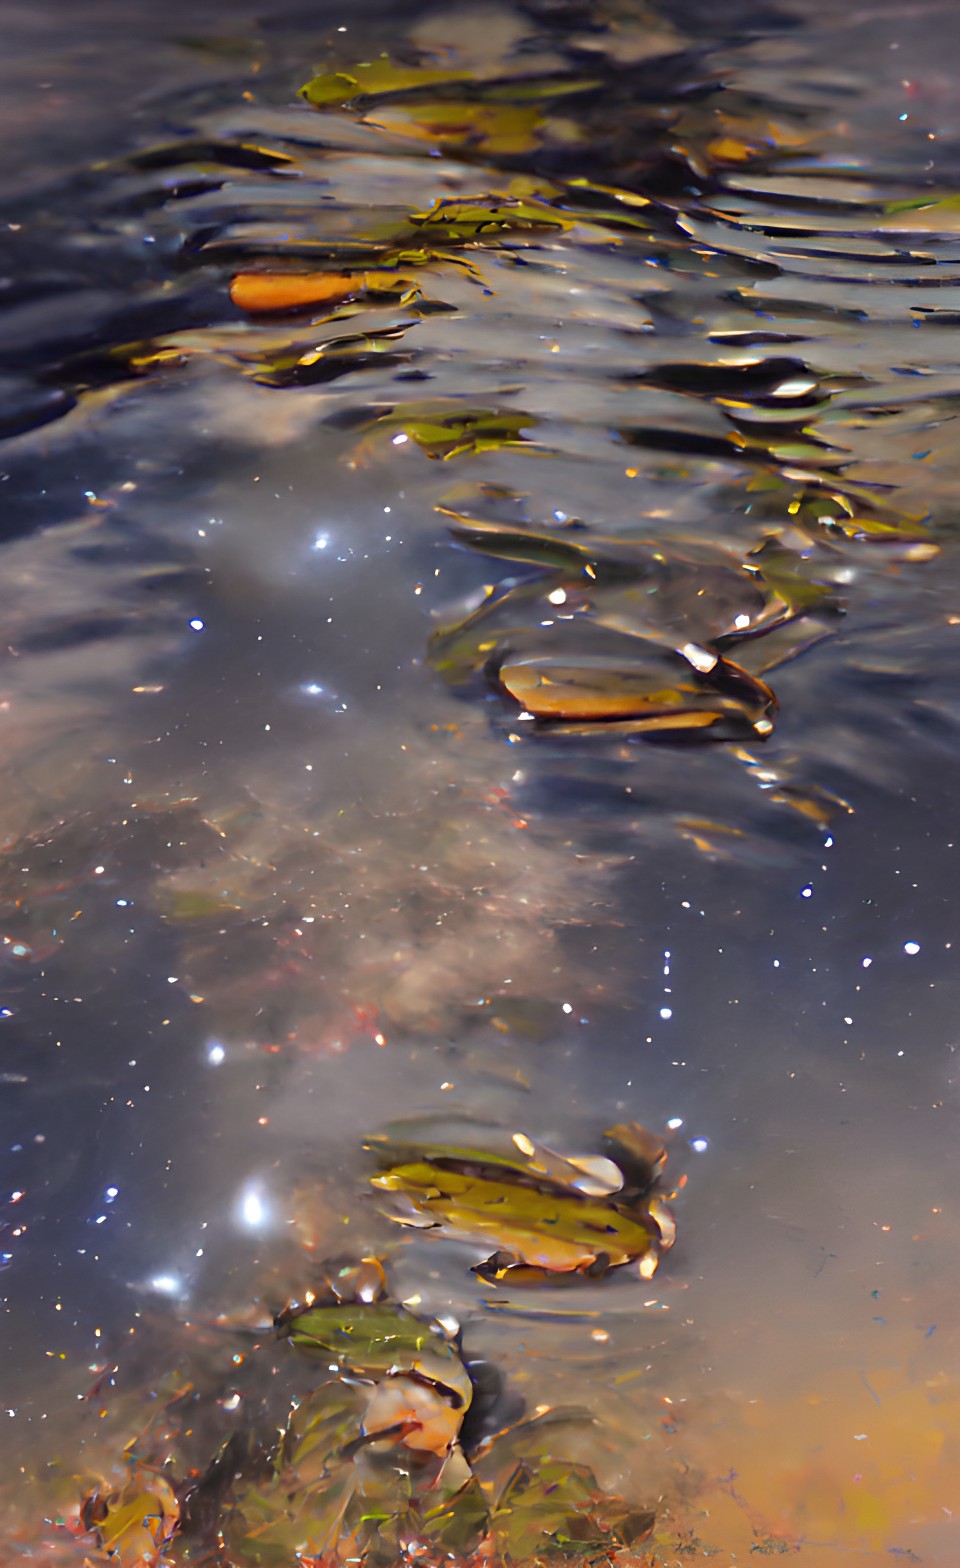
(267, 882)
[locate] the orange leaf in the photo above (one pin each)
(264, 291)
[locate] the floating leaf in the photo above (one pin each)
(667, 693)
(270, 292)
(370, 79)
(453, 1140)
(532, 1211)
(483, 218)
(444, 432)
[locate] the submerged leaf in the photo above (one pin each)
(219, 154)
(454, 1513)
(182, 904)
(321, 1427)
(136, 1523)
(485, 127)
(548, 1503)
(376, 1340)
(371, 1458)
(574, 549)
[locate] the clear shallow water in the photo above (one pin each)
(248, 828)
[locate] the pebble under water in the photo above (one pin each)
(480, 628)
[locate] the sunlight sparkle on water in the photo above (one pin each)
(166, 1284)
(253, 1210)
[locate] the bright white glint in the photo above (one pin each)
(321, 541)
(312, 689)
(796, 388)
(700, 658)
(166, 1284)
(806, 892)
(196, 625)
(740, 621)
(675, 1122)
(252, 1209)
(400, 440)
(699, 1144)
(666, 1012)
(911, 947)
(215, 1055)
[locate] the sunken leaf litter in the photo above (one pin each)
(375, 1460)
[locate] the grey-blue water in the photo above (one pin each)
(276, 868)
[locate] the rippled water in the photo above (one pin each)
(281, 857)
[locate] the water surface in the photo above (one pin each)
(269, 879)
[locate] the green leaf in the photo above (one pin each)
(573, 551)
(444, 432)
(136, 1523)
(372, 1341)
(272, 1522)
(485, 218)
(532, 1225)
(491, 128)
(182, 904)
(321, 1426)
(450, 1142)
(546, 1508)
(372, 78)
(922, 215)
(454, 1512)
